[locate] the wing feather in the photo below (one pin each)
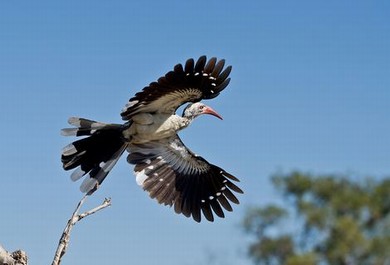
(196, 81)
(206, 210)
(224, 202)
(175, 176)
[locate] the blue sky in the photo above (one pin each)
(310, 90)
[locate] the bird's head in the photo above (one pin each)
(195, 109)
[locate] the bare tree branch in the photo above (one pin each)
(64, 240)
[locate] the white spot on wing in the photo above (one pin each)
(140, 177)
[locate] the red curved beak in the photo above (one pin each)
(208, 110)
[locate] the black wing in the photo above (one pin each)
(174, 175)
(196, 81)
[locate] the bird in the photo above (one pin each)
(163, 166)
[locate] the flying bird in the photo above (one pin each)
(164, 167)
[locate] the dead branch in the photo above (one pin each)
(64, 240)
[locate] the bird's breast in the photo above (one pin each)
(150, 127)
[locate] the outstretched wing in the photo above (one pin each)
(196, 81)
(174, 175)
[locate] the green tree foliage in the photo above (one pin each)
(329, 220)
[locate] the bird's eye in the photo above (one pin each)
(201, 107)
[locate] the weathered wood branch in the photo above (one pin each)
(65, 237)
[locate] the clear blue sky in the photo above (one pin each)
(310, 90)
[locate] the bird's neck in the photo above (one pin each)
(183, 122)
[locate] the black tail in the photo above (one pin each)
(94, 155)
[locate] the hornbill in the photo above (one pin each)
(164, 166)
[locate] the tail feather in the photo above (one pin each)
(96, 176)
(93, 156)
(85, 127)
